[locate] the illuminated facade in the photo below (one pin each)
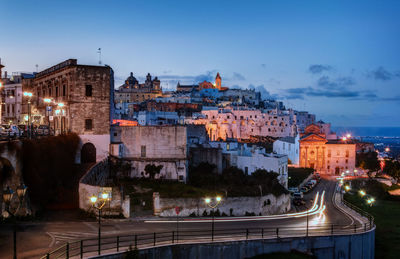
(324, 155)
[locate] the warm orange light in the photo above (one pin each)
(344, 138)
(47, 100)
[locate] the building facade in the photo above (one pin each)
(74, 98)
(158, 145)
(242, 123)
(134, 92)
(326, 156)
(288, 146)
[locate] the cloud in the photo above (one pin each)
(381, 74)
(300, 93)
(339, 83)
(265, 94)
(238, 76)
(318, 68)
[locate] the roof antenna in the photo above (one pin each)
(37, 66)
(99, 51)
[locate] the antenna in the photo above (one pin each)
(99, 51)
(37, 66)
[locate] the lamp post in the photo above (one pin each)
(29, 95)
(61, 112)
(7, 197)
(48, 108)
(98, 202)
(213, 203)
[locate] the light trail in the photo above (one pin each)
(315, 209)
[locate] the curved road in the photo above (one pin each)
(35, 239)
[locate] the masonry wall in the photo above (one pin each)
(265, 205)
(357, 246)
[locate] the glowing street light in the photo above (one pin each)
(213, 205)
(60, 104)
(47, 100)
(387, 149)
(348, 135)
(344, 138)
(98, 202)
(347, 188)
(362, 193)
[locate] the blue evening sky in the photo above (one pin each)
(337, 59)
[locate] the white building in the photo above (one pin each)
(158, 118)
(11, 109)
(288, 146)
(249, 158)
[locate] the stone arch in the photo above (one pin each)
(88, 153)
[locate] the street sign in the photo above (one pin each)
(49, 108)
(177, 210)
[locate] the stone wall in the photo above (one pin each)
(94, 182)
(237, 206)
(356, 246)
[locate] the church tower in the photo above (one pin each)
(218, 81)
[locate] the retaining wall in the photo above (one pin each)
(356, 246)
(237, 206)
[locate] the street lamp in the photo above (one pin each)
(8, 194)
(61, 112)
(362, 193)
(213, 203)
(98, 202)
(29, 95)
(48, 108)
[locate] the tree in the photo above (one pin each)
(368, 161)
(152, 170)
(392, 168)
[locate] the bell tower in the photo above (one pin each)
(218, 81)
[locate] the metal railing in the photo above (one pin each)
(121, 243)
(358, 210)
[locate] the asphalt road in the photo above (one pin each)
(37, 238)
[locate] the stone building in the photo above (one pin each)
(158, 145)
(242, 123)
(324, 155)
(134, 92)
(288, 146)
(80, 97)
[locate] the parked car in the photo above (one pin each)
(11, 131)
(293, 189)
(304, 189)
(43, 130)
(298, 195)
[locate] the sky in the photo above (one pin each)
(337, 59)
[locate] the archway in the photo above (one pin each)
(88, 153)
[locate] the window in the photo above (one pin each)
(246, 170)
(56, 91)
(347, 161)
(88, 124)
(284, 145)
(347, 153)
(143, 151)
(329, 153)
(88, 91)
(338, 152)
(64, 90)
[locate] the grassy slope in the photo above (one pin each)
(386, 212)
